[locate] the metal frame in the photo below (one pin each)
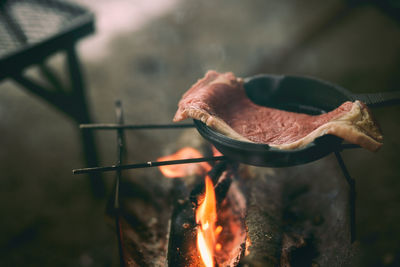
(34, 53)
(121, 153)
(352, 195)
(120, 127)
(69, 99)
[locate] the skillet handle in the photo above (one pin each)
(379, 99)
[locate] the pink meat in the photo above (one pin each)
(220, 101)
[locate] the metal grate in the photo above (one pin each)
(118, 167)
(25, 22)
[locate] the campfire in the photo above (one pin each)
(198, 208)
(219, 221)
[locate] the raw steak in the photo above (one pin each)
(220, 101)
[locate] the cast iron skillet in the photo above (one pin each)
(297, 94)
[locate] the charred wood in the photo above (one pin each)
(182, 249)
(264, 211)
(222, 187)
(215, 175)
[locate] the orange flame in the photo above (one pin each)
(206, 213)
(206, 217)
(182, 170)
(216, 153)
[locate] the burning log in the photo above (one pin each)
(264, 210)
(316, 208)
(232, 212)
(230, 234)
(223, 186)
(182, 247)
(299, 216)
(194, 220)
(215, 175)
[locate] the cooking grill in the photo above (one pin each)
(120, 128)
(31, 31)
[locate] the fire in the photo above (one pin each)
(206, 217)
(206, 213)
(216, 153)
(182, 170)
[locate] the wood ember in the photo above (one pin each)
(231, 214)
(182, 246)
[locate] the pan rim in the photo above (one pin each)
(259, 147)
(324, 144)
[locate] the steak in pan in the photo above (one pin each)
(220, 101)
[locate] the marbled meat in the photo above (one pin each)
(220, 101)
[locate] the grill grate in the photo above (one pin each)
(27, 22)
(120, 127)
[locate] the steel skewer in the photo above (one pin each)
(148, 164)
(118, 178)
(113, 126)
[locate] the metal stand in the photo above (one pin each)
(71, 102)
(121, 151)
(120, 127)
(352, 195)
(24, 47)
(149, 164)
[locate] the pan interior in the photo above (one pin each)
(295, 94)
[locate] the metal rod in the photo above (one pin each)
(51, 77)
(111, 126)
(76, 104)
(120, 153)
(146, 165)
(352, 187)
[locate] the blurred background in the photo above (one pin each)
(147, 53)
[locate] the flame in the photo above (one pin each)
(216, 153)
(206, 217)
(182, 170)
(248, 244)
(206, 212)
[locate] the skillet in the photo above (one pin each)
(297, 94)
